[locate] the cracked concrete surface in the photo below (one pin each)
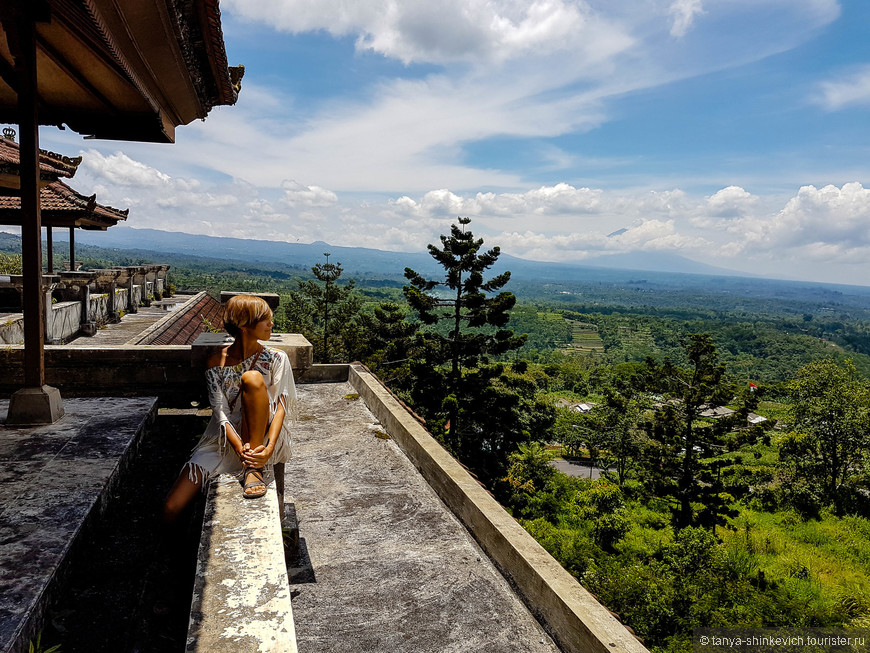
(393, 569)
(54, 480)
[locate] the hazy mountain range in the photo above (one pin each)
(365, 261)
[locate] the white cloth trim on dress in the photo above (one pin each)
(213, 453)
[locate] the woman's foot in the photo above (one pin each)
(255, 485)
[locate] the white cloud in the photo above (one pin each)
(683, 13)
(830, 224)
(119, 169)
(731, 202)
(826, 227)
(295, 194)
(839, 216)
(438, 31)
(849, 89)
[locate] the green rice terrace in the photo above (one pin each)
(584, 339)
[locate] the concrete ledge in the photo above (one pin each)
(165, 371)
(55, 482)
(323, 373)
(241, 596)
(574, 618)
(295, 345)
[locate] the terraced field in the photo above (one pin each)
(634, 335)
(584, 339)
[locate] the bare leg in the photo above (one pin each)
(255, 416)
(181, 495)
(255, 409)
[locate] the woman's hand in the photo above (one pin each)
(256, 457)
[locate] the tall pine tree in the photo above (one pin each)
(325, 312)
(683, 460)
(481, 418)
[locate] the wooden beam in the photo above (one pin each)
(75, 75)
(50, 248)
(31, 228)
(72, 248)
(7, 74)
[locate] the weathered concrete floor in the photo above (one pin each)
(131, 325)
(394, 571)
(52, 478)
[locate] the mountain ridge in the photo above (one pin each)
(364, 259)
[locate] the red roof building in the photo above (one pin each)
(62, 207)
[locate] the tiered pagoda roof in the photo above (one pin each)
(63, 207)
(52, 166)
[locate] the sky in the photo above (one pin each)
(730, 132)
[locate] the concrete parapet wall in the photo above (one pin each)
(170, 372)
(111, 371)
(121, 299)
(98, 307)
(296, 346)
(241, 595)
(12, 329)
(322, 373)
(64, 321)
(65, 318)
(574, 618)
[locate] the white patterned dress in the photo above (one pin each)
(213, 454)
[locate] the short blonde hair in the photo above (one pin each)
(244, 310)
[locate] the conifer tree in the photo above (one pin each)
(326, 312)
(683, 462)
(454, 384)
(389, 343)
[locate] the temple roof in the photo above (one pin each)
(63, 207)
(52, 166)
(186, 323)
(120, 70)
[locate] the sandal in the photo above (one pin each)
(258, 481)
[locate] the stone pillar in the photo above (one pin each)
(88, 324)
(114, 313)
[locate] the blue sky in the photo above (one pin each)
(733, 132)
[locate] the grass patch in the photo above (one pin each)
(825, 562)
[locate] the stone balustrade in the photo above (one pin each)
(81, 300)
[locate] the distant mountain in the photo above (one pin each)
(636, 261)
(358, 260)
(373, 262)
(631, 279)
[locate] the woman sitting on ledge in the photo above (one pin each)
(253, 401)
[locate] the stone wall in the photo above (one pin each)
(64, 321)
(170, 372)
(12, 329)
(121, 371)
(65, 318)
(98, 307)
